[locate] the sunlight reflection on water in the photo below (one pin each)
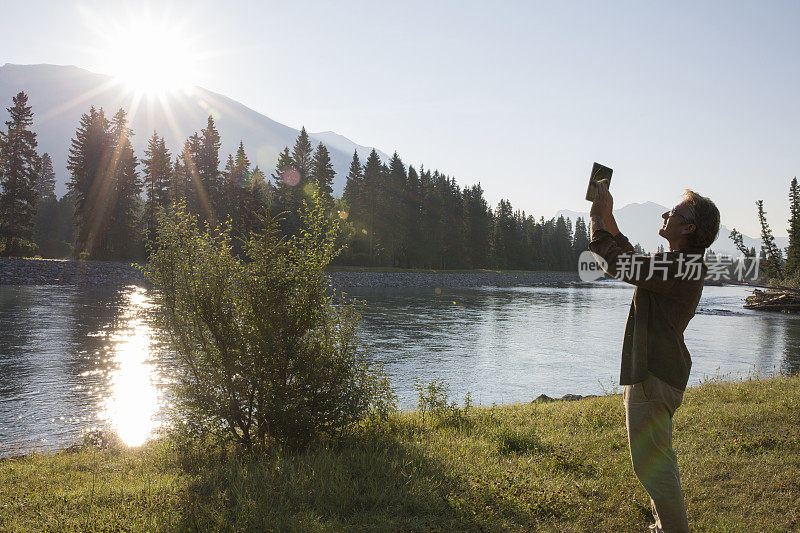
(134, 397)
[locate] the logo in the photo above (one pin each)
(591, 267)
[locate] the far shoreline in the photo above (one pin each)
(30, 271)
(99, 273)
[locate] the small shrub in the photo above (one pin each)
(433, 401)
(264, 350)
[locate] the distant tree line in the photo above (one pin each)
(403, 217)
(392, 214)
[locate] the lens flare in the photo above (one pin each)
(290, 176)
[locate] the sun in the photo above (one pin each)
(149, 55)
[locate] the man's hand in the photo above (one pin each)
(603, 203)
(601, 213)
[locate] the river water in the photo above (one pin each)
(73, 359)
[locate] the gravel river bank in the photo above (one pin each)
(94, 273)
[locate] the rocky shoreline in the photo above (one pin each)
(94, 273)
(66, 272)
(451, 280)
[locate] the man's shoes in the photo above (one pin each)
(652, 528)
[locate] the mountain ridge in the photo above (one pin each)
(60, 94)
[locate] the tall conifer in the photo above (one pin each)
(19, 170)
(478, 226)
(157, 167)
(123, 239)
(287, 198)
(770, 252)
(90, 183)
(792, 266)
(242, 166)
(322, 173)
(302, 155)
(46, 180)
(580, 241)
(353, 188)
(373, 178)
(211, 197)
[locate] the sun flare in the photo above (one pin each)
(150, 56)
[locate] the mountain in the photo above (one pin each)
(59, 95)
(640, 223)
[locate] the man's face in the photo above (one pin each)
(676, 223)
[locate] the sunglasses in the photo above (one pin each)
(669, 214)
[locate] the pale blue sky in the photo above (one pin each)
(521, 96)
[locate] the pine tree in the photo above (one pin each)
(351, 211)
(391, 220)
(90, 183)
(234, 193)
(431, 207)
(230, 174)
(47, 212)
(504, 234)
(413, 218)
(769, 250)
(242, 166)
(258, 199)
(322, 173)
(46, 180)
(157, 181)
(580, 241)
(189, 180)
(452, 248)
(560, 247)
(259, 188)
(123, 240)
(478, 227)
(530, 253)
(792, 266)
(287, 202)
(738, 241)
(302, 156)
(353, 188)
(210, 193)
(235, 177)
(177, 182)
(373, 178)
(19, 169)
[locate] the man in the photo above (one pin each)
(655, 361)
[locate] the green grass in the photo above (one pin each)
(561, 466)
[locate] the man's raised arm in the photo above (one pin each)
(649, 272)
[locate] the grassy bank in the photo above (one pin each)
(561, 466)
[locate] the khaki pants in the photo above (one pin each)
(649, 407)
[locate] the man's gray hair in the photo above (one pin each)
(705, 217)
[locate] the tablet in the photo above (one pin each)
(599, 173)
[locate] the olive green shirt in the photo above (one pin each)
(661, 309)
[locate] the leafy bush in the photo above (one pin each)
(265, 351)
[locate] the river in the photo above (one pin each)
(73, 359)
